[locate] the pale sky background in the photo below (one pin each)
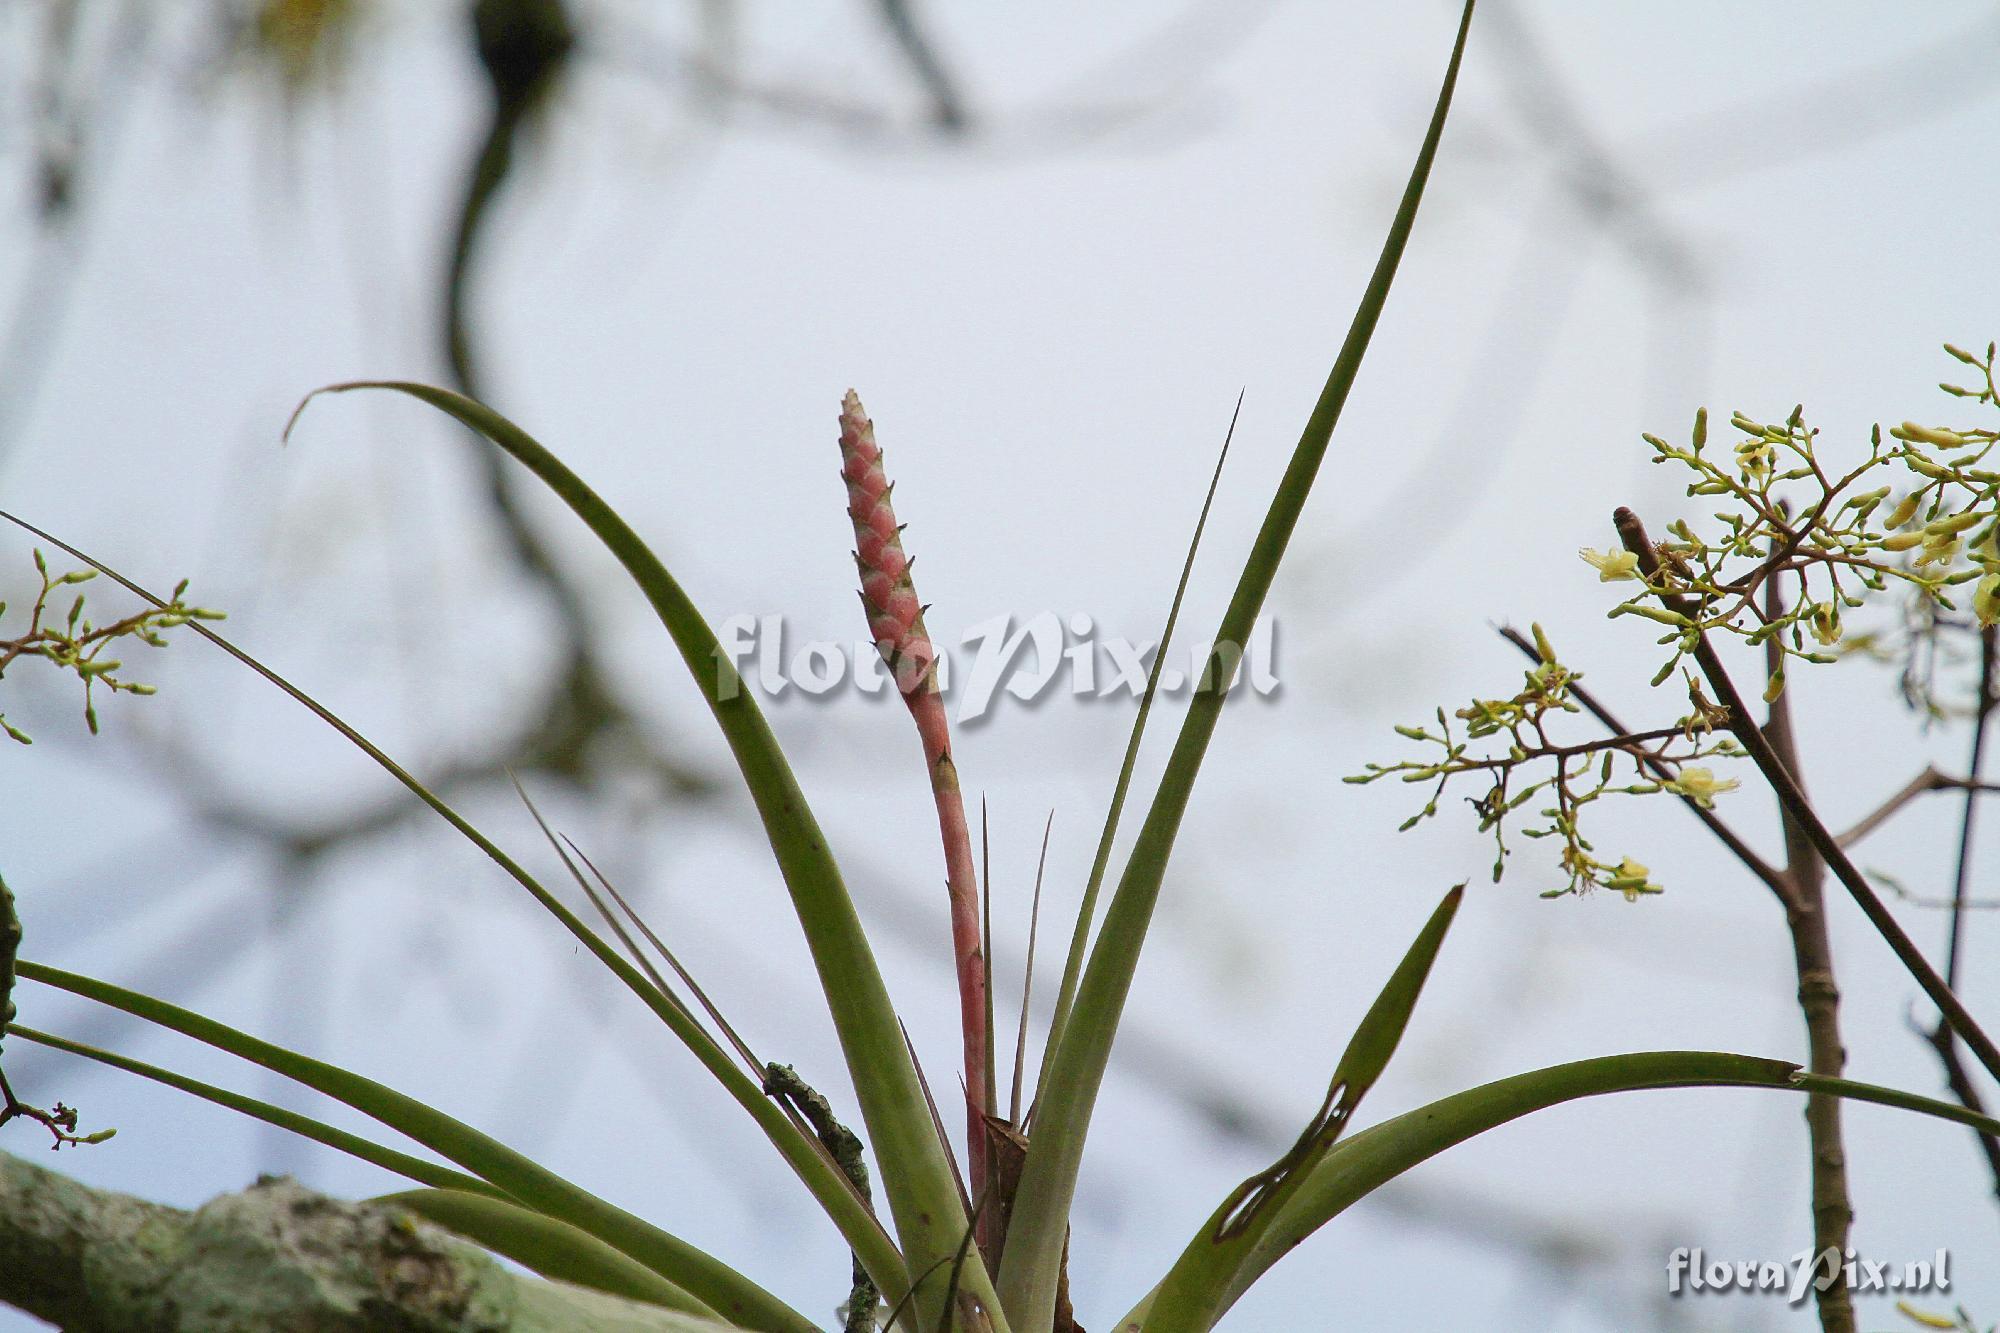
(1639, 209)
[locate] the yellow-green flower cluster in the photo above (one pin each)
(73, 644)
(1522, 762)
(1802, 543)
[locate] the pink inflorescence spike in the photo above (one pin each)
(895, 616)
(896, 620)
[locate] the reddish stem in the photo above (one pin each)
(962, 890)
(896, 619)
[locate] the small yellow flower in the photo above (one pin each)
(1630, 879)
(1611, 566)
(1986, 600)
(1938, 548)
(1826, 623)
(1755, 457)
(1700, 785)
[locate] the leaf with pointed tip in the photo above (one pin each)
(1086, 912)
(412, 1168)
(1048, 1183)
(710, 1280)
(1194, 1292)
(916, 1172)
(1379, 1154)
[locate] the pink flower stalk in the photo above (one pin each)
(896, 619)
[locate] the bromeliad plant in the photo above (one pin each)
(985, 1248)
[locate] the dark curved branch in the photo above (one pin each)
(948, 111)
(1941, 1037)
(1632, 533)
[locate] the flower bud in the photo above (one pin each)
(1937, 435)
(1945, 527)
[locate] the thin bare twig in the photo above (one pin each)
(1941, 1035)
(1929, 780)
(1962, 876)
(1903, 895)
(1963, 1088)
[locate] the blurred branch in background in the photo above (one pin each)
(940, 85)
(532, 53)
(578, 731)
(1587, 188)
(84, 55)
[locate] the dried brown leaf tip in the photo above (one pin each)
(895, 616)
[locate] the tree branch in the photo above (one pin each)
(1941, 1035)
(948, 112)
(1928, 781)
(274, 1256)
(1819, 1002)
(1632, 533)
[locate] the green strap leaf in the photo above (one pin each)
(1041, 1208)
(1381, 1153)
(1086, 911)
(722, 1288)
(553, 1248)
(849, 1212)
(411, 1168)
(1195, 1290)
(916, 1175)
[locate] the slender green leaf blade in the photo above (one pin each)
(1041, 1208)
(916, 1174)
(1371, 1158)
(1381, 1029)
(709, 1279)
(848, 1211)
(1193, 1294)
(545, 1245)
(1086, 912)
(411, 1168)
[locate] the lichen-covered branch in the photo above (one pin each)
(274, 1256)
